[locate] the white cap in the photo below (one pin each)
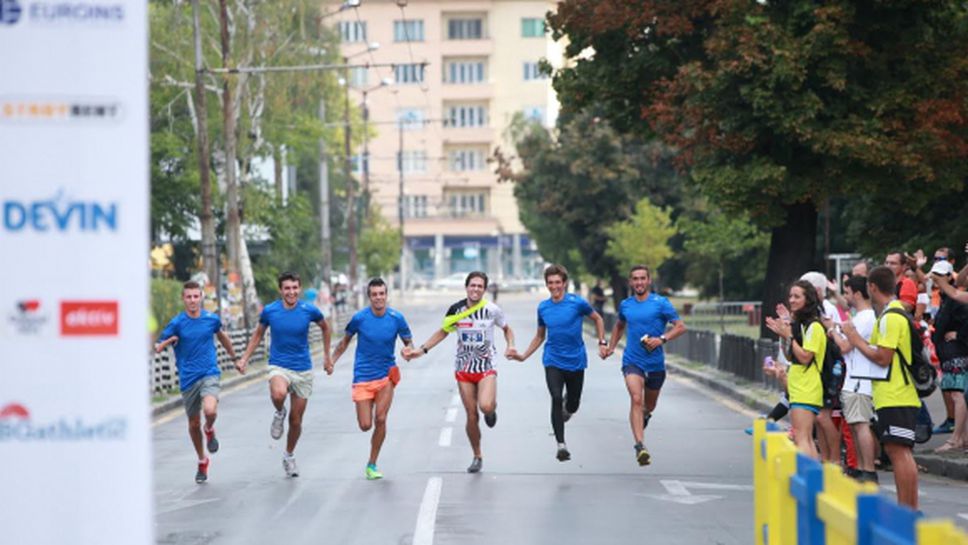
(817, 280)
(942, 268)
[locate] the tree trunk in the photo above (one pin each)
(233, 224)
(620, 289)
(206, 217)
(792, 251)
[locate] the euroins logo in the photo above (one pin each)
(58, 214)
(60, 12)
(17, 426)
(86, 318)
(28, 317)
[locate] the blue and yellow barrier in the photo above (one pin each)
(798, 501)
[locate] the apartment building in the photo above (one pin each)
(462, 70)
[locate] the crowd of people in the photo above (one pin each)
(857, 358)
(648, 318)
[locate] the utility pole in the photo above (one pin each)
(366, 158)
(350, 190)
(401, 202)
(324, 201)
(206, 217)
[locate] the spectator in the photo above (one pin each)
(598, 298)
(906, 290)
(951, 344)
(827, 422)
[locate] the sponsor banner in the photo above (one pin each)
(74, 428)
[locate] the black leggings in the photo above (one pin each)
(558, 380)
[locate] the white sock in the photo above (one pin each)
(286, 454)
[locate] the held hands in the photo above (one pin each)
(238, 365)
(512, 354)
(410, 353)
(328, 364)
(242, 364)
(603, 351)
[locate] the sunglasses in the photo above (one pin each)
(940, 258)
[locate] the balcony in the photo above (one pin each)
(467, 91)
(468, 135)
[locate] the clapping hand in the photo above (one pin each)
(919, 258)
(779, 326)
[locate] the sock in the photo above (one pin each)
(562, 446)
(203, 460)
(638, 446)
(286, 454)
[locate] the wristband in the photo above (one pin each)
(602, 342)
(424, 348)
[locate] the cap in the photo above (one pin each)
(816, 279)
(942, 268)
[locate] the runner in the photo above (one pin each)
(646, 315)
(290, 365)
(198, 372)
(474, 318)
(564, 359)
(375, 373)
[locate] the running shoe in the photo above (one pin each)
(642, 455)
(490, 419)
(278, 423)
(948, 426)
(563, 454)
(475, 466)
(211, 440)
(372, 473)
(289, 465)
(202, 474)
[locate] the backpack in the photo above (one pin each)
(833, 373)
(919, 369)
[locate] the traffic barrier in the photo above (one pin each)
(798, 501)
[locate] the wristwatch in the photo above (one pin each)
(663, 339)
(602, 342)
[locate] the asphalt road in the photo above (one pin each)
(697, 490)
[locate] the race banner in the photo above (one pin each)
(75, 453)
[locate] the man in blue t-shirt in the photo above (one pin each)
(560, 319)
(375, 372)
(646, 315)
(198, 372)
(290, 365)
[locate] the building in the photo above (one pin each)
(462, 70)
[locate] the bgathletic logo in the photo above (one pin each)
(10, 11)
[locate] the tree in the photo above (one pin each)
(643, 239)
(571, 188)
(380, 245)
(775, 107)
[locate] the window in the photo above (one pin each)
(534, 113)
(468, 159)
(352, 31)
(410, 30)
(464, 71)
(359, 77)
(465, 29)
(467, 204)
(532, 72)
(532, 27)
(415, 206)
(412, 119)
(409, 73)
(413, 161)
(466, 116)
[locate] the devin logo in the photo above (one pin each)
(14, 410)
(89, 318)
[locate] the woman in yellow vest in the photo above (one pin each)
(808, 344)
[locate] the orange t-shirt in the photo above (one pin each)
(907, 291)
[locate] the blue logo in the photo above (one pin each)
(9, 12)
(59, 214)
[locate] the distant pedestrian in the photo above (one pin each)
(598, 298)
(191, 332)
(647, 316)
(375, 372)
(560, 318)
(290, 364)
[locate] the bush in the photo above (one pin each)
(165, 299)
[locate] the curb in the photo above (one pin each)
(175, 401)
(731, 391)
(943, 466)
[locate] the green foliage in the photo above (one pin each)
(174, 186)
(165, 299)
(379, 245)
(642, 239)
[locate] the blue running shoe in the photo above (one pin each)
(948, 426)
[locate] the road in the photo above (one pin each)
(697, 490)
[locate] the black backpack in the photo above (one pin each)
(920, 370)
(833, 373)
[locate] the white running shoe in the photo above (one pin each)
(289, 465)
(278, 424)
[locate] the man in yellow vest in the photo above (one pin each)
(895, 398)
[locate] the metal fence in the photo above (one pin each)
(726, 317)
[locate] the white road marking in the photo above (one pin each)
(963, 515)
(445, 436)
(717, 486)
(451, 414)
(678, 491)
(182, 504)
(423, 533)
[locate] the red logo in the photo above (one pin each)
(89, 318)
(33, 305)
(14, 410)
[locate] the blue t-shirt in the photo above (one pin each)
(564, 344)
(289, 346)
(377, 337)
(195, 350)
(647, 317)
